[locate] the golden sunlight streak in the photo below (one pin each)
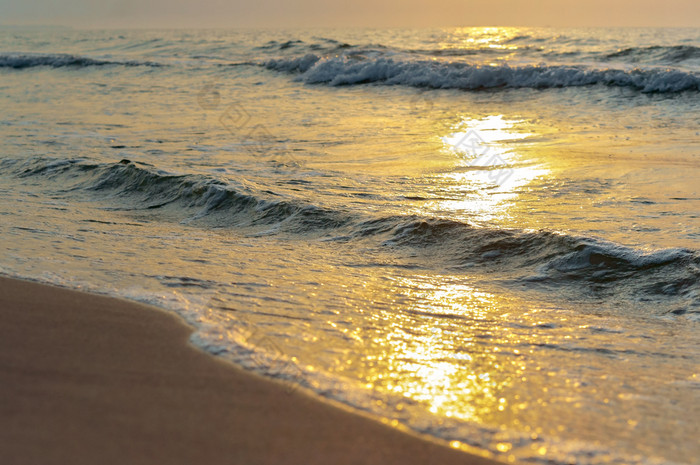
(491, 172)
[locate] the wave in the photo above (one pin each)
(657, 53)
(31, 60)
(534, 259)
(344, 70)
(276, 45)
(187, 198)
(319, 45)
(546, 258)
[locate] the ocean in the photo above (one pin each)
(490, 236)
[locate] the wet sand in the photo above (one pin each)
(89, 379)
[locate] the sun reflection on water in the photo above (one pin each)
(443, 342)
(490, 172)
(451, 373)
(491, 37)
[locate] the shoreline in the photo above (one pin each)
(96, 379)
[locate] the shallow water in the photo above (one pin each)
(487, 235)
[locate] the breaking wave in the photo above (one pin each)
(353, 70)
(578, 265)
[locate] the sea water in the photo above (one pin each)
(486, 235)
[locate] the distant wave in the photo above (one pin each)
(31, 60)
(320, 45)
(338, 71)
(275, 45)
(575, 265)
(656, 53)
(329, 47)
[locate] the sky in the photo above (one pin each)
(349, 13)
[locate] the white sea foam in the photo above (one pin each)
(343, 70)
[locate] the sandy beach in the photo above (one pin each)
(90, 379)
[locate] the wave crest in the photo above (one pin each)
(575, 265)
(657, 53)
(357, 69)
(32, 60)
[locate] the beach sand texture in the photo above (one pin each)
(91, 379)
